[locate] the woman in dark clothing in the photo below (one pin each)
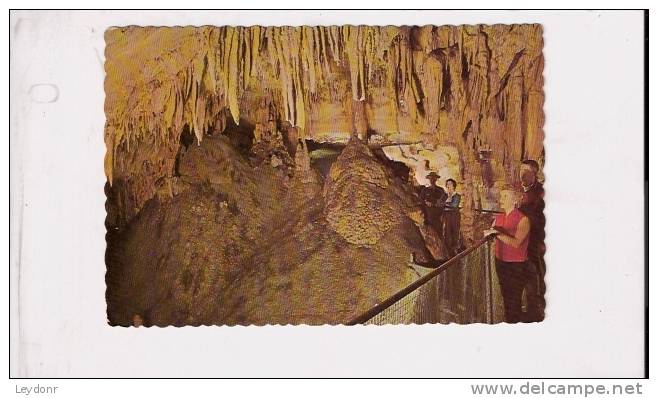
(451, 218)
(453, 199)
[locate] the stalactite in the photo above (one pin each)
(422, 83)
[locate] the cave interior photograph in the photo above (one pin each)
(324, 175)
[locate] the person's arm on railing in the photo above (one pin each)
(522, 231)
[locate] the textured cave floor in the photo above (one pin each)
(241, 245)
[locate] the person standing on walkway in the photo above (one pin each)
(532, 205)
(512, 230)
(433, 199)
(451, 217)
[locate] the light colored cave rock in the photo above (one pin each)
(217, 210)
(474, 88)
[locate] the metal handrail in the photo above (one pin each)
(448, 208)
(489, 211)
(416, 284)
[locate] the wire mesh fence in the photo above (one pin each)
(462, 290)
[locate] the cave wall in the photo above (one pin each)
(477, 89)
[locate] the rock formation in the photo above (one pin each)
(218, 211)
(477, 88)
(244, 245)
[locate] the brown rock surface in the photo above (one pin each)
(216, 211)
(240, 245)
(478, 88)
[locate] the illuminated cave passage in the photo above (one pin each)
(323, 155)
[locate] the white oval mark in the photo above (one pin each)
(44, 93)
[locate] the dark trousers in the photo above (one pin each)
(536, 287)
(451, 231)
(434, 218)
(513, 278)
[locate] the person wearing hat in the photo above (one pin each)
(433, 199)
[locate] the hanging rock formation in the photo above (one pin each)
(352, 192)
(218, 212)
(475, 88)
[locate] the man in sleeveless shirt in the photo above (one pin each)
(512, 231)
